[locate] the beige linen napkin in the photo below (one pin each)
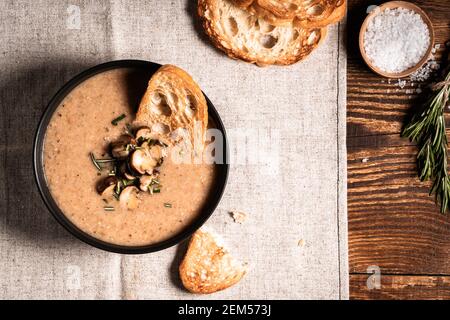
(287, 136)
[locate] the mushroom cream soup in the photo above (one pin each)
(78, 142)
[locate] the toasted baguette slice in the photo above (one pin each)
(274, 13)
(207, 266)
(243, 3)
(308, 13)
(243, 35)
(337, 14)
(174, 107)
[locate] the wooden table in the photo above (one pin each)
(393, 224)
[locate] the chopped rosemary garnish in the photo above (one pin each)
(119, 118)
(118, 187)
(131, 147)
(155, 190)
(94, 161)
(168, 205)
(120, 172)
(108, 208)
(106, 160)
(127, 183)
(427, 129)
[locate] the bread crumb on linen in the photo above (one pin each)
(238, 216)
(301, 243)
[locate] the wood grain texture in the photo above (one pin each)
(393, 222)
(401, 287)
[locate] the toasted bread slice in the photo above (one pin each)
(308, 13)
(337, 14)
(207, 266)
(174, 107)
(243, 35)
(243, 3)
(276, 14)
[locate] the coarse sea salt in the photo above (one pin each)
(396, 40)
(423, 73)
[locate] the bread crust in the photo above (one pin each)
(283, 12)
(336, 16)
(207, 266)
(243, 3)
(308, 39)
(183, 104)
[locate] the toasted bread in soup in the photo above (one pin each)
(246, 36)
(207, 266)
(308, 13)
(173, 101)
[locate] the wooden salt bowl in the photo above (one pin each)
(394, 5)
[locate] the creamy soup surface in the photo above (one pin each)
(81, 125)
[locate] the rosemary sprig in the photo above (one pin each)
(427, 129)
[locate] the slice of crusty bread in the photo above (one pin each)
(243, 3)
(174, 107)
(308, 13)
(276, 13)
(336, 15)
(207, 266)
(246, 36)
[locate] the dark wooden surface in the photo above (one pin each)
(393, 223)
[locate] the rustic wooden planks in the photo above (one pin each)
(402, 287)
(393, 223)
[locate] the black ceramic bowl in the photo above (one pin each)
(207, 210)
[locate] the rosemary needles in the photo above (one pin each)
(427, 129)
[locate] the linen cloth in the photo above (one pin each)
(286, 127)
